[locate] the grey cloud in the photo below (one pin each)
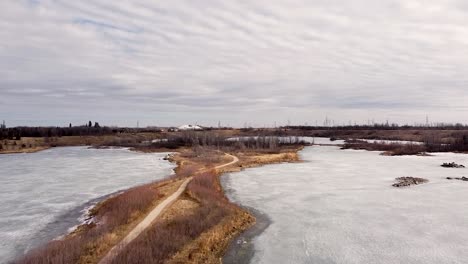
(245, 61)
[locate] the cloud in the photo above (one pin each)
(241, 61)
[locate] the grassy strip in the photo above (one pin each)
(113, 219)
(166, 238)
(202, 235)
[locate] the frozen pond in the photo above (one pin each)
(42, 194)
(286, 139)
(339, 207)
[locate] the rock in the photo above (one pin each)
(452, 165)
(460, 179)
(408, 181)
(168, 157)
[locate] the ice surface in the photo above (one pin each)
(339, 207)
(314, 140)
(382, 141)
(322, 140)
(36, 190)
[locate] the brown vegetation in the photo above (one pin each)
(443, 141)
(391, 149)
(112, 219)
(24, 145)
(212, 208)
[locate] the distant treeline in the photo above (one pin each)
(90, 129)
(16, 133)
(442, 138)
(439, 126)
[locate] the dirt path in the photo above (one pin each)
(146, 222)
(234, 161)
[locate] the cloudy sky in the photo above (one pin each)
(255, 62)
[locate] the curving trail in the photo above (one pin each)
(234, 161)
(153, 215)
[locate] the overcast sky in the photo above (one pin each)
(254, 62)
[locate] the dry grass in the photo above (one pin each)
(114, 218)
(210, 245)
(252, 159)
(391, 149)
(24, 145)
(153, 246)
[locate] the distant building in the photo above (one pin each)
(189, 127)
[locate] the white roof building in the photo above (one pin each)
(190, 127)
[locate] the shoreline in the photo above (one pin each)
(64, 224)
(74, 220)
(212, 245)
(25, 151)
(241, 248)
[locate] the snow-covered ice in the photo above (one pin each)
(37, 190)
(286, 139)
(339, 207)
